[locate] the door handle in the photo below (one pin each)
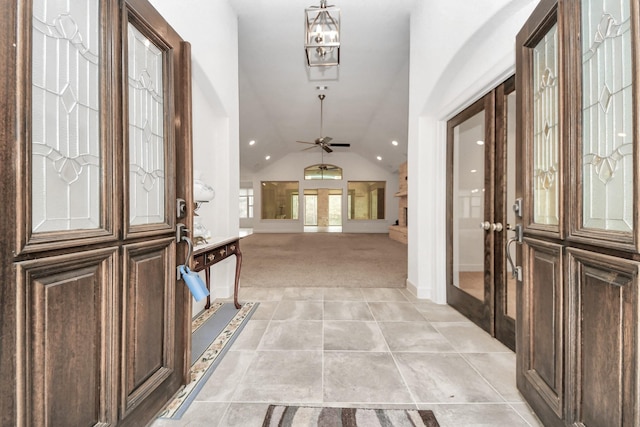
(516, 270)
(181, 236)
(496, 226)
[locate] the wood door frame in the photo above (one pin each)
(548, 400)
(505, 327)
(480, 312)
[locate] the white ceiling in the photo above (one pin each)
(367, 98)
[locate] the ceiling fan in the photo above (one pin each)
(323, 141)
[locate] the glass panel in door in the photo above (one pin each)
(146, 130)
(66, 138)
(469, 205)
(311, 207)
(607, 114)
(335, 207)
(509, 305)
(546, 134)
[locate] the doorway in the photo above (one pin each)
(323, 210)
(481, 191)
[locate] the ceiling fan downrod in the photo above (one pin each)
(321, 96)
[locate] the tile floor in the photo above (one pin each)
(359, 347)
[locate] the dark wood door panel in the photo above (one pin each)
(70, 316)
(149, 323)
(540, 358)
(604, 301)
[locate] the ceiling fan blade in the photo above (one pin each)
(305, 142)
(309, 148)
(326, 139)
(340, 145)
(326, 148)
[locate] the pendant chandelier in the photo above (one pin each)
(322, 35)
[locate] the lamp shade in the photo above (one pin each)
(322, 35)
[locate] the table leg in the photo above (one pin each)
(207, 278)
(237, 283)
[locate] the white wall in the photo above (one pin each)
(355, 168)
(214, 49)
(459, 51)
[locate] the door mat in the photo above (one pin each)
(218, 326)
(299, 416)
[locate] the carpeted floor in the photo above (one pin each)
(350, 260)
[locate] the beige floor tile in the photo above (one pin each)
(468, 338)
(347, 310)
(225, 378)
(251, 335)
(414, 336)
(265, 310)
(244, 415)
(292, 335)
(260, 294)
(476, 415)
(363, 377)
(444, 378)
(527, 413)
(303, 294)
(384, 294)
(440, 313)
(298, 310)
(343, 294)
(499, 369)
(282, 376)
(353, 336)
(395, 312)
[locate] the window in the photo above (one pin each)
(246, 203)
(366, 199)
(323, 171)
(279, 200)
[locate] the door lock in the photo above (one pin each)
(181, 208)
(517, 207)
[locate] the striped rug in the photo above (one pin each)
(304, 416)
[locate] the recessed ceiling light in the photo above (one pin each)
(475, 190)
(480, 142)
(379, 158)
(622, 134)
(394, 143)
(267, 158)
(473, 171)
(252, 142)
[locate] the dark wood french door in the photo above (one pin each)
(577, 329)
(95, 101)
(481, 191)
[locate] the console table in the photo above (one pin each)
(204, 256)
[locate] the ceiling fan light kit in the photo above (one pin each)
(322, 35)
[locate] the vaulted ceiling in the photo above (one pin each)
(366, 102)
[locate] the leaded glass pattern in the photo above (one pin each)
(146, 130)
(546, 120)
(607, 102)
(65, 128)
